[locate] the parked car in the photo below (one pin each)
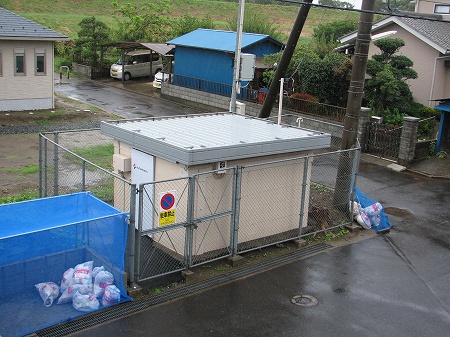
(137, 64)
(159, 78)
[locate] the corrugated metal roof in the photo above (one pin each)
(207, 138)
(13, 26)
(218, 40)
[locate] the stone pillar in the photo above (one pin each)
(408, 141)
(364, 118)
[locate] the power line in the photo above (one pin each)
(401, 15)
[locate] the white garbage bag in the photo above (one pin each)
(85, 303)
(48, 291)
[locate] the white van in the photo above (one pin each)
(137, 64)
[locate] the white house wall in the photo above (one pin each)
(29, 91)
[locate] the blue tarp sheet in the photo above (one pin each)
(39, 240)
(365, 201)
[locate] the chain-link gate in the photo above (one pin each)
(184, 222)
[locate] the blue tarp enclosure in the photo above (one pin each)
(39, 240)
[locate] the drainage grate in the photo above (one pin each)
(127, 308)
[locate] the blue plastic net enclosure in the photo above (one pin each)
(40, 241)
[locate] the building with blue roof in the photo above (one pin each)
(26, 63)
(205, 57)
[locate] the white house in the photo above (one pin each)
(26, 63)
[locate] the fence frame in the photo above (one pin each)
(133, 259)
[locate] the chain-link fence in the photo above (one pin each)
(179, 223)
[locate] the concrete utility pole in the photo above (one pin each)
(343, 188)
(237, 57)
(285, 59)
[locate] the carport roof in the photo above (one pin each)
(210, 138)
(160, 48)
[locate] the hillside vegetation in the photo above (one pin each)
(64, 16)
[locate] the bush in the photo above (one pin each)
(428, 117)
(304, 96)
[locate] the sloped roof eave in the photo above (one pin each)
(31, 38)
(350, 38)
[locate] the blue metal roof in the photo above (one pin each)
(16, 27)
(443, 107)
(219, 40)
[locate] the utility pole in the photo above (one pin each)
(237, 57)
(344, 182)
(285, 59)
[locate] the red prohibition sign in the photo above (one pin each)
(167, 201)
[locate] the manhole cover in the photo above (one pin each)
(304, 300)
(127, 107)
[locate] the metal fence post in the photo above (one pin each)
(131, 242)
(45, 169)
(137, 265)
(40, 165)
(56, 164)
(236, 204)
(303, 197)
(188, 245)
(355, 166)
(83, 176)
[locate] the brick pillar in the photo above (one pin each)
(408, 141)
(364, 118)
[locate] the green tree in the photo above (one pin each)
(387, 92)
(326, 78)
(336, 3)
(92, 34)
(189, 23)
(331, 31)
(149, 22)
(256, 22)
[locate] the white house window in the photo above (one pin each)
(19, 62)
(40, 63)
(442, 9)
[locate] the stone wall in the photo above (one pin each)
(81, 69)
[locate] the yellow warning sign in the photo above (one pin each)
(167, 217)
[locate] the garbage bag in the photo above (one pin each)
(111, 295)
(85, 303)
(102, 280)
(381, 219)
(48, 291)
(83, 273)
(67, 295)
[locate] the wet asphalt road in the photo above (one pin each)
(124, 103)
(392, 285)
